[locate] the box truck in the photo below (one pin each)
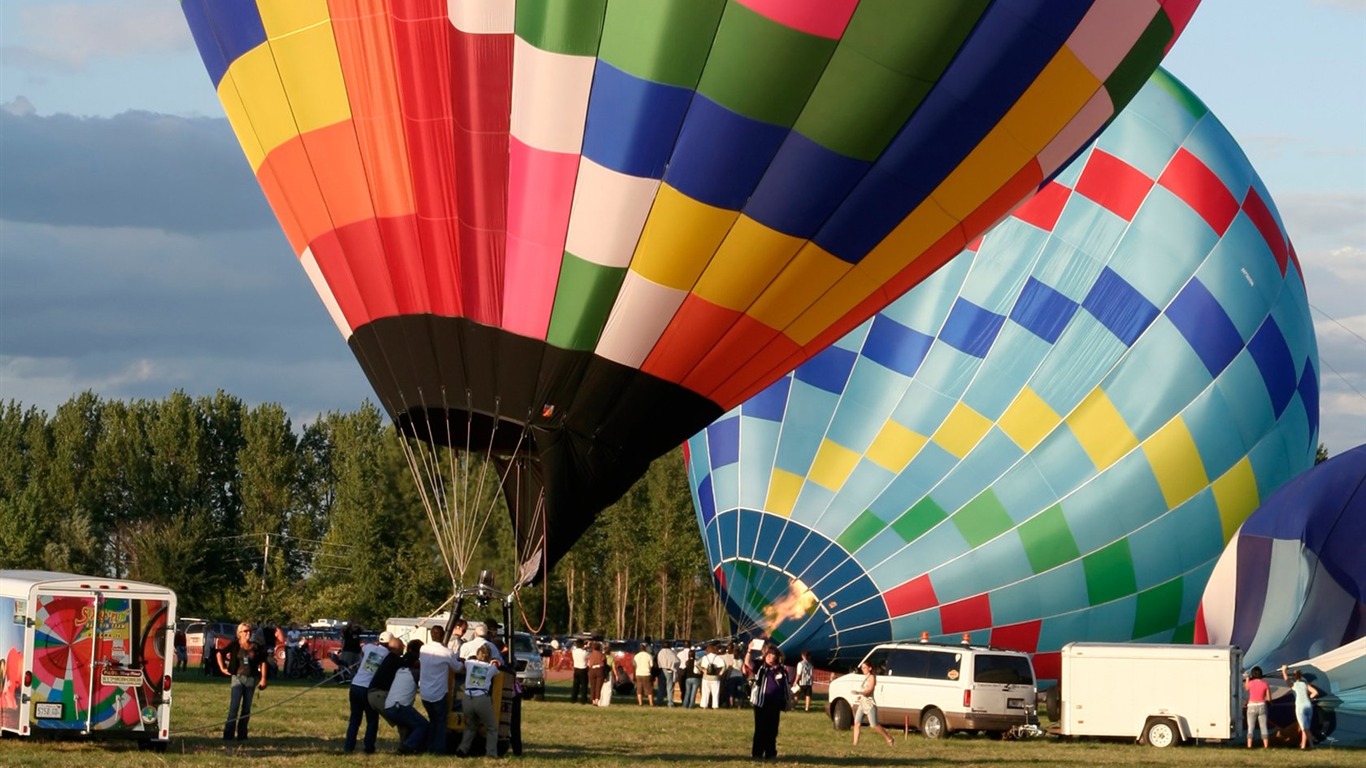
(1156, 694)
(86, 655)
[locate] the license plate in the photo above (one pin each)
(1015, 704)
(47, 710)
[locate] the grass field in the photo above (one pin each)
(300, 727)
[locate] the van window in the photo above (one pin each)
(878, 659)
(1008, 670)
(932, 665)
(903, 663)
(943, 665)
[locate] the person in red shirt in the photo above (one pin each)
(1258, 694)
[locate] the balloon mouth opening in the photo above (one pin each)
(465, 430)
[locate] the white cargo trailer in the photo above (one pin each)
(1157, 694)
(86, 655)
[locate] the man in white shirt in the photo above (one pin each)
(644, 663)
(437, 664)
(579, 655)
(481, 638)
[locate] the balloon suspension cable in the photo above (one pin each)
(523, 556)
(419, 467)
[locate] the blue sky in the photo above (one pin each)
(138, 257)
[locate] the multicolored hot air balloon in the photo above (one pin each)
(1050, 439)
(1292, 582)
(1290, 589)
(569, 233)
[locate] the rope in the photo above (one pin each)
(255, 710)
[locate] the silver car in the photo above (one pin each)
(530, 666)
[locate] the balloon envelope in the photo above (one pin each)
(1052, 438)
(1292, 582)
(573, 232)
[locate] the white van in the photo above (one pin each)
(938, 689)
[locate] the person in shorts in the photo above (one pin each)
(867, 707)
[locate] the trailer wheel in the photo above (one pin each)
(842, 715)
(1052, 703)
(1161, 732)
(933, 725)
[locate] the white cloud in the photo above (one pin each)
(20, 107)
(70, 36)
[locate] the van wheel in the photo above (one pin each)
(932, 724)
(842, 715)
(1161, 733)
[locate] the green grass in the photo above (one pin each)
(303, 728)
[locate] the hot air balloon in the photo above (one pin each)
(1292, 582)
(1050, 439)
(566, 235)
(1290, 588)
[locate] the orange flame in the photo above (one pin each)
(798, 603)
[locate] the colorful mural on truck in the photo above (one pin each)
(573, 232)
(93, 669)
(1052, 438)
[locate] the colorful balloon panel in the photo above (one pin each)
(600, 223)
(1050, 439)
(1292, 583)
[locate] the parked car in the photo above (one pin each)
(938, 689)
(530, 666)
(203, 639)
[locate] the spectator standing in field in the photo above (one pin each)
(666, 661)
(182, 656)
(398, 704)
(372, 655)
(772, 696)
(351, 646)
(692, 676)
(729, 675)
(436, 663)
(597, 669)
(579, 655)
(713, 667)
(806, 674)
(244, 662)
(644, 663)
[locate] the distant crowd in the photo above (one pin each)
(710, 676)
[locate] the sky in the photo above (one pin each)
(138, 256)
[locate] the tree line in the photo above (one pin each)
(247, 516)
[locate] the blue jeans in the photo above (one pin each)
(405, 716)
(690, 692)
(666, 686)
(239, 707)
(437, 712)
(359, 707)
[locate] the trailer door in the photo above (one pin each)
(131, 660)
(62, 664)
